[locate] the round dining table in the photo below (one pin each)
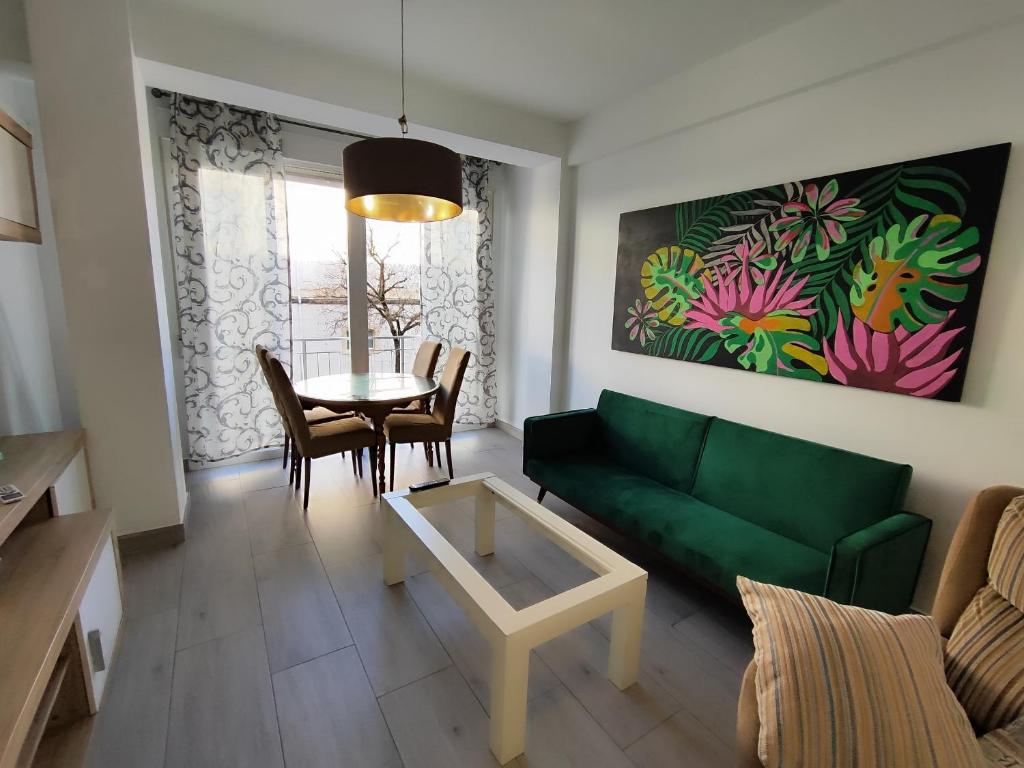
(374, 395)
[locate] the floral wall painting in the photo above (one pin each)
(869, 279)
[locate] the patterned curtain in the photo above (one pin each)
(457, 291)
(231, 265)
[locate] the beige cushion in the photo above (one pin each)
(320, 414)
(415, 428)
(845, 687)
(340, 435)
(1004, 747)
(1006, 561)
(985, 654)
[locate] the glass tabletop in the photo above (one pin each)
(365, 388)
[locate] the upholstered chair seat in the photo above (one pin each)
(416, 427)
(434, 427)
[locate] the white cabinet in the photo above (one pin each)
(71, 491)
(100, 617)
(100, 612)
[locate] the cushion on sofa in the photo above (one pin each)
(985, 653)
(1006, 560)
(846, 687)
(607, 490)
(655, 440)
(804, 491)
(719, 546)
(706, 540)
(1004, 747)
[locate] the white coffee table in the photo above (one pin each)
(619, 586)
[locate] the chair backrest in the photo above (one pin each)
(426, 359)
(289, 402)
(451, 383)
(262, 355)
(966, 568)
(808, 492)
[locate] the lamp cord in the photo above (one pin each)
(402, 122)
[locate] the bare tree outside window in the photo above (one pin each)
(392, 293)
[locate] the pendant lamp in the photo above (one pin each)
(402, 179)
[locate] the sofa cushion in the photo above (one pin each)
(1006, 560)
(720, 546)
(1004, 747)
(847, 687)
(606, 490)
(985, 660)
(804, 491)
(655, 440)
(706, 540)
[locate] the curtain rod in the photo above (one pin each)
(159, 93)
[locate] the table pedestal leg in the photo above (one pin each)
(378, 428)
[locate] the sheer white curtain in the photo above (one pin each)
(457, 291)
(231, 267)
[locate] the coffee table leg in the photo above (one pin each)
(627, 631)
(484, 522)
(394, 547)
(510, 669)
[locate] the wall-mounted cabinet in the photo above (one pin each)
(19, 213)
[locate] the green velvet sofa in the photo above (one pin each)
(722, 499)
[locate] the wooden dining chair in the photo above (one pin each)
(314, 441)
(434, 427)
(424, 365)
(315, 415)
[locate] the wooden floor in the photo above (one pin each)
(269, 639)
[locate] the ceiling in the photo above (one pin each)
(558, 58)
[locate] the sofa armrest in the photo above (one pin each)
(877, 567)
(560, 434)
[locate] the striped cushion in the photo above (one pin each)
(985, 660)
(1004, 748)
(1006, 561)
(845, 687)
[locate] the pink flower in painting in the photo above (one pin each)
(736, 291)
(641, 322)
(904, 362)
(820, 219)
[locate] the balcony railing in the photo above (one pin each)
(321, 357)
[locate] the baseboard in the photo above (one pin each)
(508, 429)
(156, 538)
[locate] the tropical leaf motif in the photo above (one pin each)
(906, 266)
(755, 226)
(671, 281)
(699, 222)
(694, 344)
(778, 344)
(922, 188)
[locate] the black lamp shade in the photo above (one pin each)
(402, 180)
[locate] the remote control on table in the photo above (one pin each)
(10, 495)
(428, 484)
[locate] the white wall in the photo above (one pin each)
(526, 255)
(36, 390)
(962, 93)
(102, 196)
(200, 43)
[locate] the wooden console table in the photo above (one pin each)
(619, 587)
(60, 601)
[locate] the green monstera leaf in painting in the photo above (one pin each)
(777, 343)
(671, 280)
(906, 266)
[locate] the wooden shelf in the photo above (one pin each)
(33, 463)
(44, 570)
